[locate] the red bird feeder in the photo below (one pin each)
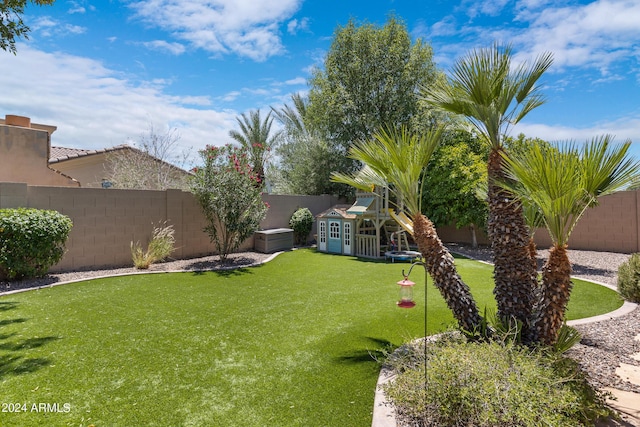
(406, 293)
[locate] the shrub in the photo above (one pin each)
(160, 247)
(629, 279)
(301, 222)
(230, 195)
(31, 241)
(490, 384)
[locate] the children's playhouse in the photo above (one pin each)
(368, 229)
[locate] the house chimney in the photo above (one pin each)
(21, 121)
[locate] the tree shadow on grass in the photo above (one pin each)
(377, 353)
(14, 356)
(226, 272)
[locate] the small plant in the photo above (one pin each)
(301, 222)
(492, 384)
(629, 279)
(160, 247)
(31, 241)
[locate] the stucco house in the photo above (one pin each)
(26, 155)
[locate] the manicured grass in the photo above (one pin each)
(289, 343)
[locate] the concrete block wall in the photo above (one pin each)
(612, 226)
(106, 221)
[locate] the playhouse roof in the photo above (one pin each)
(337, 211)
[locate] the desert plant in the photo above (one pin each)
(31, 241)
(301, 222)
(160, 247)
(629, 279)
(490, 384)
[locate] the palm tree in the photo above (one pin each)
(562, 182)
(254, 137)
(396, 159)
(493, 96)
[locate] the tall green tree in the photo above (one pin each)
(562, 182)
(256, 139)
(396, 159)
(306, 159)
(454, 180)
(370, 78)
(493, 95)
(11, 24)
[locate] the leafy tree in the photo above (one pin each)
(230, 194)
(493, 95)
(254, 137)
(456, 175)
(562, 182)
(396, 159)
(11, 24)
(306, 159)
(371, 78)
(152, 166)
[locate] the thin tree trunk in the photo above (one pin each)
(555, 293)
(514, 271)
(474, 238)
(441, 268)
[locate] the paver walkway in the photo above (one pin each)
(627, 403)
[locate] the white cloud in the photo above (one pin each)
(294, 26)
(622, 129)
(164, 46)
(231, 96)
(296, 81)
(245, 27)
(95, 107)
(486, 7)
(595, 35)
(49, 27)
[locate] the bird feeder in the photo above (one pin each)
(406, 293)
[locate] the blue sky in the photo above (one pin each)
(103, 71)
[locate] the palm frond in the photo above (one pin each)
(394, 159)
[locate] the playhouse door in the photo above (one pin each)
(322, 236)
(346, 234)
(334, 243)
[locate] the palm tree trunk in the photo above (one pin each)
(441, 268)
(555, 292)
(514, 272)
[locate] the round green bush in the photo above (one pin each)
(301, 222)
(31, 241)
(629, 279)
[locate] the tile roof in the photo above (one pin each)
(58, 154)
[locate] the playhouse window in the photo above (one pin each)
(323, 231)
(334, 230)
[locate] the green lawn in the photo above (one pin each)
(289, 343)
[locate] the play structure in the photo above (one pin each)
(368, 229)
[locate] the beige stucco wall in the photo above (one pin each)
(24, 157)
(88, 170)
(106, 221)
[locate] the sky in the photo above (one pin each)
(104, 72)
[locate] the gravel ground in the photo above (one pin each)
(604, 345)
